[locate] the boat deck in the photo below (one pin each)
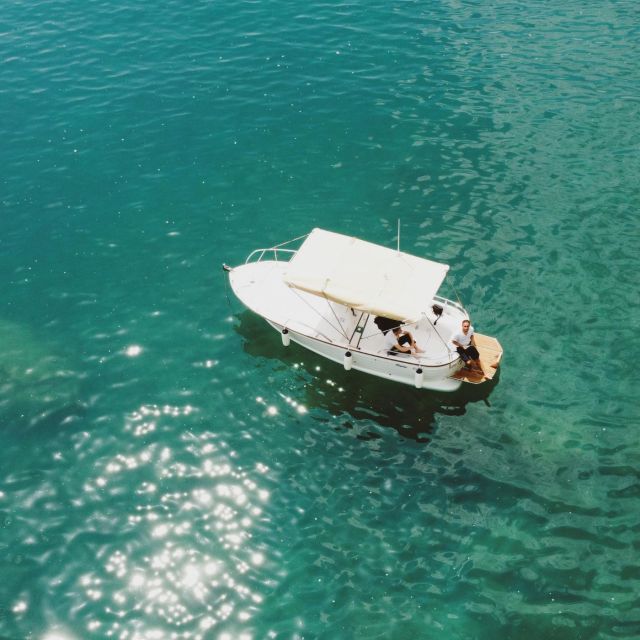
(260, 286)
(490, 356)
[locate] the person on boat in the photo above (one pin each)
(464, 343)
(398, 340)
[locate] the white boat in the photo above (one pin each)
(335, 295)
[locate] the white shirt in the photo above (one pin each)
(462, 338)
(390, 340)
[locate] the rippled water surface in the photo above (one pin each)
(168, 469)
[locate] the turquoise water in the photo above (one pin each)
(169, 470)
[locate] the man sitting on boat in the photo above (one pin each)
(399, 341)
(464, 343)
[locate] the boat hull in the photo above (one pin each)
(332, 330)
(399, 369)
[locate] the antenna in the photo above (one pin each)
(398, 235)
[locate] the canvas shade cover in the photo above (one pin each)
(365, 276)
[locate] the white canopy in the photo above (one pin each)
(365, 276)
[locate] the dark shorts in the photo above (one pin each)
(402, 341)
(470, 353)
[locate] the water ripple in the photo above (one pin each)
(169, 470)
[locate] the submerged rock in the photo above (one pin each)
(37, 385)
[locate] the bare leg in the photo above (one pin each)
(477, 366)
(414, 344)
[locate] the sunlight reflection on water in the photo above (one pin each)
(188, 560)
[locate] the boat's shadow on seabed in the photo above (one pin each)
(358, 397)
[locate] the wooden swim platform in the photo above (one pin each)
(490, 355)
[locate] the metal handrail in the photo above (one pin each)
(274, 250)
(449, 303)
